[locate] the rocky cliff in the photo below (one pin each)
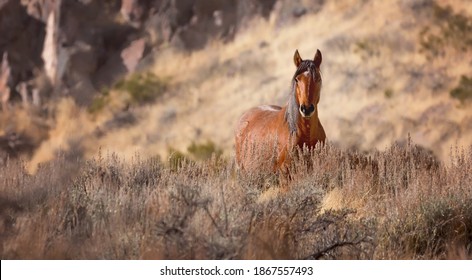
(59, 47)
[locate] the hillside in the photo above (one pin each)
(384, 77)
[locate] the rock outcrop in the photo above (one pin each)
(58, 47)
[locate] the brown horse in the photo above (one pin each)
(267, 135)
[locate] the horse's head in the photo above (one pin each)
(307, 84)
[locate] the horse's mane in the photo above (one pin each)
(291, 115)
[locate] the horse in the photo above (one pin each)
(266, 136)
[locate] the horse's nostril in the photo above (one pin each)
(311, 108)
(303, 109)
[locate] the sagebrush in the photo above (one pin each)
(336, 204)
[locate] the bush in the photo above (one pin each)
(204, 151)
(463, 91)
(176, 159)
(142, 87)
(98, 103)
(136, 89)
(448, 29)
(430, 228)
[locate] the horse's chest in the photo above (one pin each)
(306, 140)
(306, 136)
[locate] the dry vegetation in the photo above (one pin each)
(147, 172)
(395, 204)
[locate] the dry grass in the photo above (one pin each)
(396, 204)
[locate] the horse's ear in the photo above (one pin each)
(297, 59)
(317, 59)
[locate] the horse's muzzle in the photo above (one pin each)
(307, 111)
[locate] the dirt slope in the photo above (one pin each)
(383, 78)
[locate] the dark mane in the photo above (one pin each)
(291, 115)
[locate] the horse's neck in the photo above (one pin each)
(308, 131)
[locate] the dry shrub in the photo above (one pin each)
(395, 204)
(448, 29)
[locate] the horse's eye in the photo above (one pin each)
(296, 79)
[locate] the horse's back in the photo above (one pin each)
(268, 108)
(257, 117)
